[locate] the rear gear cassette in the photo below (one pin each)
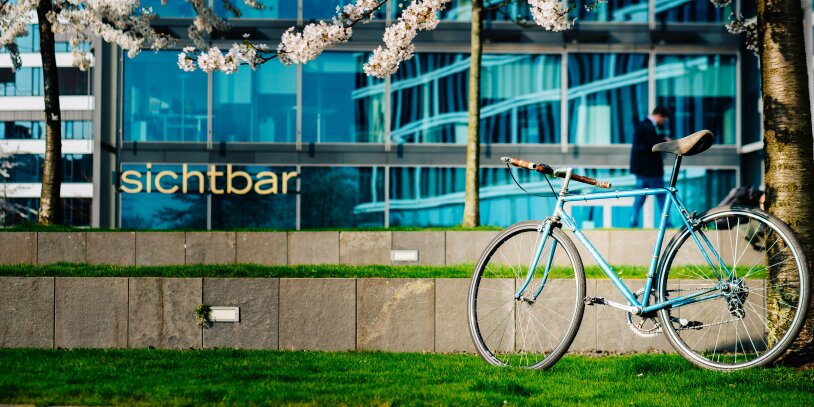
(643, 326)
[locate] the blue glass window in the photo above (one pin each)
(27, 81)
(75, 211)
(520, 111)
(256, 105)
(36, 130)
(162, 102)
(155, 210)
(279, 9)
(607, 97)
(342, 197)
(429, 99)
(631, 11)
(172, 9)
(326, 9)
(700, 92)
(689, 11)
(253, 210)
(76, 168)
(339, 102)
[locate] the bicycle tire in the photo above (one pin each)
(492, 298)
(754, 301)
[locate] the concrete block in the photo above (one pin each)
(587, 336)
(466, 247)
(160, 248)
(318, 314)
(90, 312)
(117, 248)
(59, 247)
(496, 310)
(258, 299)
(541, 326)
(632, 247)
(211, 248)
(162, 313)
(313, 248)
(18, 248)
(451, 321)
(395, 314)
(268, 248)
(28, 312)
(614, 336)
(362, 248)
(430, 246)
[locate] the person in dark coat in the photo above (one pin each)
(647, 166)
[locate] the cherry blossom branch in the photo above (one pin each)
(739, 25)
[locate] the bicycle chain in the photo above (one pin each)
(657, 328)
(702, 325)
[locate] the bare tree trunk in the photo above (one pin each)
(472, 200)
(50, 210)
(788, 139)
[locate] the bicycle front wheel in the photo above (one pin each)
(754, 289)
(535, 330)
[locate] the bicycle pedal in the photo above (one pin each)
(593, 300)
(687, 324)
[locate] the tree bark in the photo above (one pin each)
(789, 154)
(50, 210)
(472, 200)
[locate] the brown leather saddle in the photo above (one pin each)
(693, 144)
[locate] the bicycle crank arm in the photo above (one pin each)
(601, 301)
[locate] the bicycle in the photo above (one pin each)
(737, 298)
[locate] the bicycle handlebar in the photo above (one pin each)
(545, 169)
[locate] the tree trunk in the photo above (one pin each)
(472, 200)
(787, 139)
(50, 210)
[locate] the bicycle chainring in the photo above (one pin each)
(643, 326)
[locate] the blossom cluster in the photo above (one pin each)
(551, 14)
(398, 38)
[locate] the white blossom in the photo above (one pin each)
(398, 38)
(551, 14)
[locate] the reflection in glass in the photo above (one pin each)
(607, 97)
(252, 210)
(36, 130)
(27, 81)
(343, 197)
(326, 9)
(699, 90)
(428, 99)
(432, 196)
(688, 11)
(279, 9)
(339, 102)
(172, 9)
(75, 211)
(162, 102)
(520, 111)
(28, 168)
(156, 210)
(629, 11)
(256, 105)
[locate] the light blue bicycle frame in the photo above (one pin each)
(635, 306)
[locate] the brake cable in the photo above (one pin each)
(553, 194)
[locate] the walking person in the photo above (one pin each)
(647, 166)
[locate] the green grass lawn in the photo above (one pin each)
(304, 271)
(228, 377)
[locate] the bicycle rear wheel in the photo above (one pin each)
(755, 311)
(536, 330)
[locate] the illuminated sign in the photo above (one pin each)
(237, 182)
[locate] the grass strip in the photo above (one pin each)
(299, 271)
(150, 377)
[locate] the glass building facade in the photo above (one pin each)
(369, 152)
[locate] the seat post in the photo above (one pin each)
(674, 175)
